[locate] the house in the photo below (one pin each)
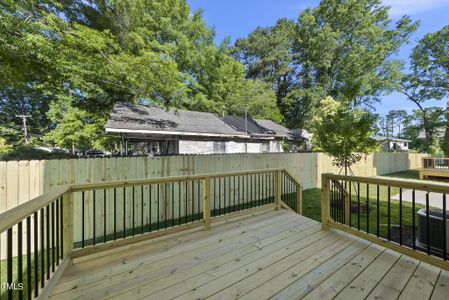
(392, 143)
(159, 131)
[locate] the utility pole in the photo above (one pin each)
(24, 126)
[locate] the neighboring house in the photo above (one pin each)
(155, 130)
(392, 143)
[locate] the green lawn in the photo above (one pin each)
(26, 285)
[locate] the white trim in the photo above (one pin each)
(174, 133)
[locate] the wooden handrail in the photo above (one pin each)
(168, 179)
(10, 217)
(399, 183)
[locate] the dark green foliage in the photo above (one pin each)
(343, 49)
(29, 153)
(66, 63)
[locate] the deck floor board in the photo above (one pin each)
(277, 255)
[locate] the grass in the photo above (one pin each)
(312, 209)
(26, 285)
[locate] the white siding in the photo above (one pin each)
(206, 147)
(233, 147)
(253, 147)
(196, 147)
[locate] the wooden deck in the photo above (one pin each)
(271, 254)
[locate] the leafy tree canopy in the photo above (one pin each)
(344, 49)
(67, 62)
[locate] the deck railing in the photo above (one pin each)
(397, 214)
(84, 218)
(435, 163)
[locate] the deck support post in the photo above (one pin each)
(325, 201)
(67, 202)
(206, 202)
(277, 190)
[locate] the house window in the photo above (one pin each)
(219, 147)
(405, 144)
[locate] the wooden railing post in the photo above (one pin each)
(298, 199)
(325, 191)
(67, 200)
(206, 203)
(277, 189)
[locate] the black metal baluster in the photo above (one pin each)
(57, 231)
(219, 196)
(333, 200)
(389, 213)
(428, 223)
(133, 211)
(124, 212)
(104, 216)
(358, 205)
(29, 270)
(42, 248)
(378, 211)
(94, 212)
(245, 191)
(36, 255)
(226, 207)
(444, 228)
(115, 214)
(186, 202)
(82, 219)
(149, 206)
(350, 204)
(53, 236)
(158, 207)
(198, 185)
(413, 220)
(238, 197)
(141, 210)
(20, 257)
(179, 202)
(61, 206)
(400, 216)
(367, 208)
(235, 191)
(166, 205)
(213, 195)
(173, 204)
(9, 273)
(48, 240)
(193, 200)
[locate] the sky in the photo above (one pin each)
(237, 18)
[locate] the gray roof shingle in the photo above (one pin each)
(128, 116)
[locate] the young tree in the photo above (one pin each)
(343, 133)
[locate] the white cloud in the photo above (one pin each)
(408, 7)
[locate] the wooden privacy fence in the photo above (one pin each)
(43, 234)
(21, 181)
